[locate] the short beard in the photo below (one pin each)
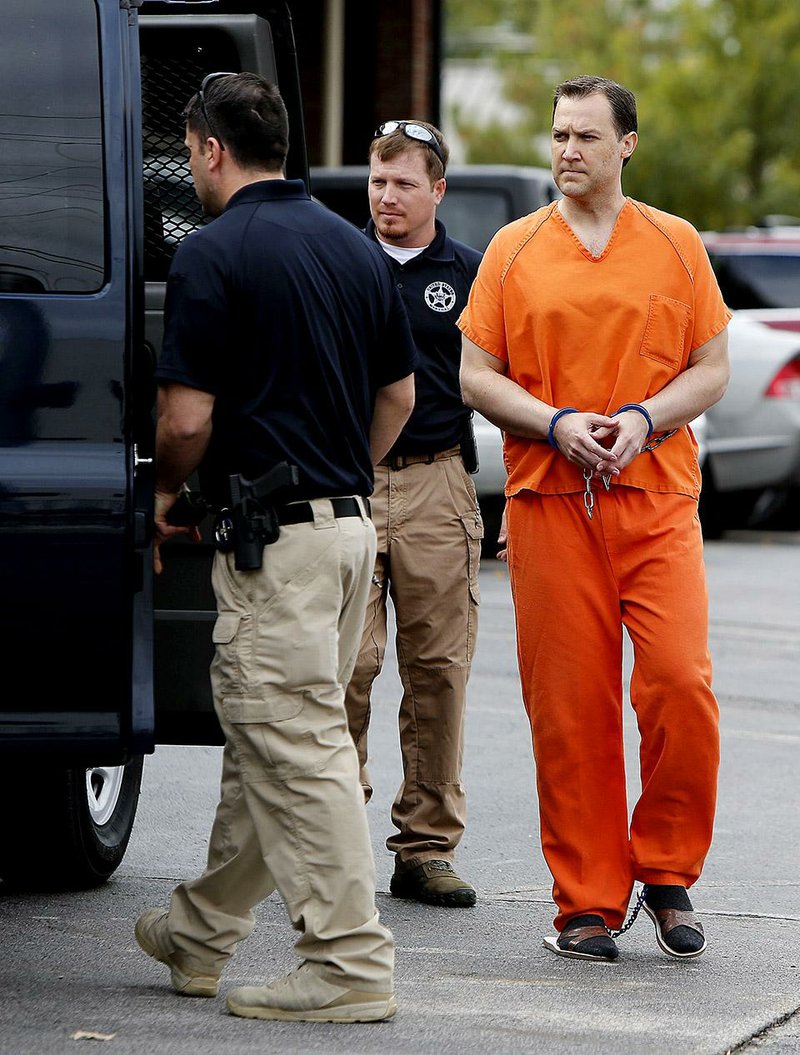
(392, 234)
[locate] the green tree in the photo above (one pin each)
(715, 85)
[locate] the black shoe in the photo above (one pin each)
(679, 932)
(584, 938)
(434, 883)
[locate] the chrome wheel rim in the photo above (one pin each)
(103, 786)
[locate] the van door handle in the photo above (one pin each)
(137, 461)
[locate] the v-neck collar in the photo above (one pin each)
(583, 249)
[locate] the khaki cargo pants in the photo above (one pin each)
(291, 814)
(429, 530)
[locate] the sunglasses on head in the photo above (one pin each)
(202, 97)
(412, 131)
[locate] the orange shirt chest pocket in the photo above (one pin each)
(664, 338)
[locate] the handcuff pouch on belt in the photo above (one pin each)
(250, 522)
(469, 447)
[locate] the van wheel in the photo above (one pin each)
(65, 829)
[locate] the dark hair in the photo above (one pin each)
(621, 100)
(248, 116)
(389, 146)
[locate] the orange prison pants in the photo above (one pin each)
(576, 582)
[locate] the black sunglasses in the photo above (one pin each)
(202, 97)
(412, 131)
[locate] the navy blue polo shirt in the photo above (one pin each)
(435, 286)
(288, 315)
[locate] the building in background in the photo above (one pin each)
(363, 63)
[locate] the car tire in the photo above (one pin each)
(710, 508)
(491, 513)
(722, 511)
(65, 828)
(777, 509)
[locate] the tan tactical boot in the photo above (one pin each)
(153, 936)
(303, 996)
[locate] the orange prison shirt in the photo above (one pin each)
(596, 332)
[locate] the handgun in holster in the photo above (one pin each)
(252, 519)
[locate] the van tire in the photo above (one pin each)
(65, 829)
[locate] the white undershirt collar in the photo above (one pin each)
(400, 253)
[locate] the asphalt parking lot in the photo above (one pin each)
(474, 980)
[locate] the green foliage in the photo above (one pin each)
(715, 85)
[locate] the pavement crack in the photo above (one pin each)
(751, 915)
(522, 897)
(750, 1043)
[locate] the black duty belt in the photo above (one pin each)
(303, 512)
(400, 461)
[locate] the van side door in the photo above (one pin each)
(75, 620)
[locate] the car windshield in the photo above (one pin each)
(752, 280)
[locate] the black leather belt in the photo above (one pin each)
(401, 461)
(303, 512)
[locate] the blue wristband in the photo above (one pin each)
(558, 414)
(639, 410)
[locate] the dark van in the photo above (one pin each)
(98, 665)
(480, 198)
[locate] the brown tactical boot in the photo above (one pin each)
(435, 883)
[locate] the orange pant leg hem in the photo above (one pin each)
(656, 878)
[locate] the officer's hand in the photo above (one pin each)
(630, 438)
(584, 440)
(164, 501)
(502, 538)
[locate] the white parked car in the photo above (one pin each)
(753, 434)
(749, 441)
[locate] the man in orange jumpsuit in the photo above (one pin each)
(595, 331)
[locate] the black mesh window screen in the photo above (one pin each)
(174, 62)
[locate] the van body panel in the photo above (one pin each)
(91, 151)
(74, 577)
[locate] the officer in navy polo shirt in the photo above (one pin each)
(286, 342)
(428, 523)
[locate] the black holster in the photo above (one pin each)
(253, 517)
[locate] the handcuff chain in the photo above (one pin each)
(652, 444)
(637, 908)
(588, 497)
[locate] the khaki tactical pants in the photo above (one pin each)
(429, 530)
(291, 814)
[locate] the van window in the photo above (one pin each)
(473, 215)
(51, 189)
(174, 62)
